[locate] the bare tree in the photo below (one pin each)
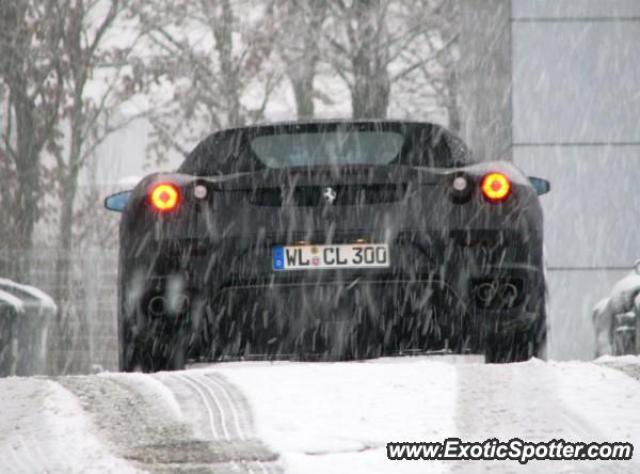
(89, 117)
(299, 41)
(63, 85)
(376, 46)
(437, 72)
(7, 184)
(209, 66)
(361, 43)
(90, 114)
(31, 73)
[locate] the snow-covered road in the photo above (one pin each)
(259, 417)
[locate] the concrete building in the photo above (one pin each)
(555, 85)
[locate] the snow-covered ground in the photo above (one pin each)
(260, 417)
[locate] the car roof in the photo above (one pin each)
(231, 145)
(330, 123)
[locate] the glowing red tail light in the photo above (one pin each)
(164, 197)
(495, 187)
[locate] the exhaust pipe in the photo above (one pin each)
(496, 295)
(485, 292)
(508, 294)
(157, 306)
(161, 306)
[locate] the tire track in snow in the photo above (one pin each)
(169, 422)
(224, 410)
(229, 418)
(216, 416)
(240, 412)
(237, 403)
(231, 413)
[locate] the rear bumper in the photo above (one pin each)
(387, 315)
(427, 299)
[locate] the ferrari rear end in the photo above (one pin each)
(332, 240)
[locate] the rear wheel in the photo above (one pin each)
(149, 342)
(7, 338)
(518, 344)
(153, 352)
(510, 347)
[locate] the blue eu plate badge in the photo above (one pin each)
(278, 258)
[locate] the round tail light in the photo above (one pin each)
(164, 197)
(495, 187)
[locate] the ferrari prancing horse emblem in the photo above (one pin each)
(329, 195)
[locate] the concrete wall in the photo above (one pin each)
(576, 121)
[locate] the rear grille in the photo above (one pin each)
(317, 196)
(330, 278)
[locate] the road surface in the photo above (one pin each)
(295, 417)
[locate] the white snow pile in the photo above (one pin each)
(7, 299)
(29, 293)
(43, 429)
(629, 283)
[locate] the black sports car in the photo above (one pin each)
(330, 240)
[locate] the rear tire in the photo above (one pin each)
(509, 347)
(519, 345)
(147, 352)
(516, 346)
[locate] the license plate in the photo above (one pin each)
(317, 257)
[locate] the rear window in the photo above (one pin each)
(281, 146)
(327, 148)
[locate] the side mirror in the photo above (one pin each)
(636, 266)
(117, 202)
(542, 186)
